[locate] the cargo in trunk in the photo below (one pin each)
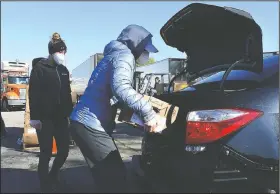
(167, 112)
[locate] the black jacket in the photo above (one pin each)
(49, 91)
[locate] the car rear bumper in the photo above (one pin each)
(17, 102)
(215, 172)
(226, 172)
(235, 169)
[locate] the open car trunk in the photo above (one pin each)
(215, 37)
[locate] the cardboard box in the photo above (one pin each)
(29, 134)
(178, 85)
(168, 113)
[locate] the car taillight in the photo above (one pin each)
(205, 126)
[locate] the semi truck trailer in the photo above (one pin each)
(81, 74)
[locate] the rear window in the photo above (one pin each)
(271, 67)
(234, 75)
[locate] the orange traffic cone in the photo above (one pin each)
(54, 148)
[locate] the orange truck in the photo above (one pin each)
(14, 80)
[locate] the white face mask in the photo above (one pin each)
(144, 58)
(59, 58)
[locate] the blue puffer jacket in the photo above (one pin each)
(112, 79)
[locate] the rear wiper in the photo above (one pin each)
(226, 74)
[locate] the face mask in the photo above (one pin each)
(144, 58)
(59, 58)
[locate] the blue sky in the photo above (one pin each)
(88, 26)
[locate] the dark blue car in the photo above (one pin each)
(226, 135)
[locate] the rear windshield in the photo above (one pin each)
(271, 67)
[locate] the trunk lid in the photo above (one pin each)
(213, 36)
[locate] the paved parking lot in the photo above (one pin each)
(18, 169)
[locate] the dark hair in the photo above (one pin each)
(55, 34)
(57, 46)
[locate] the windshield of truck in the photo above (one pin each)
(18, 80)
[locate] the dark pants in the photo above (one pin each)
(3, 130)
(57, 128)
(102, 156)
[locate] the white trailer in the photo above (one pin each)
(81, 74)
(84, 70)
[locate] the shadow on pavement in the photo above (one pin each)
(76, 179)
(75, 176)
(18, 181)
(10, 140)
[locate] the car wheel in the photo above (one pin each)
(5, 105)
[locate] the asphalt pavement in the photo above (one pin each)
(18, 168)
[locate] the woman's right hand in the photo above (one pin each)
(153, 124)
(37, 124)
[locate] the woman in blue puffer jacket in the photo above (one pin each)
(92, 120)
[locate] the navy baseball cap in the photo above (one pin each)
(150, 47)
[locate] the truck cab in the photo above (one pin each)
(14, 80)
